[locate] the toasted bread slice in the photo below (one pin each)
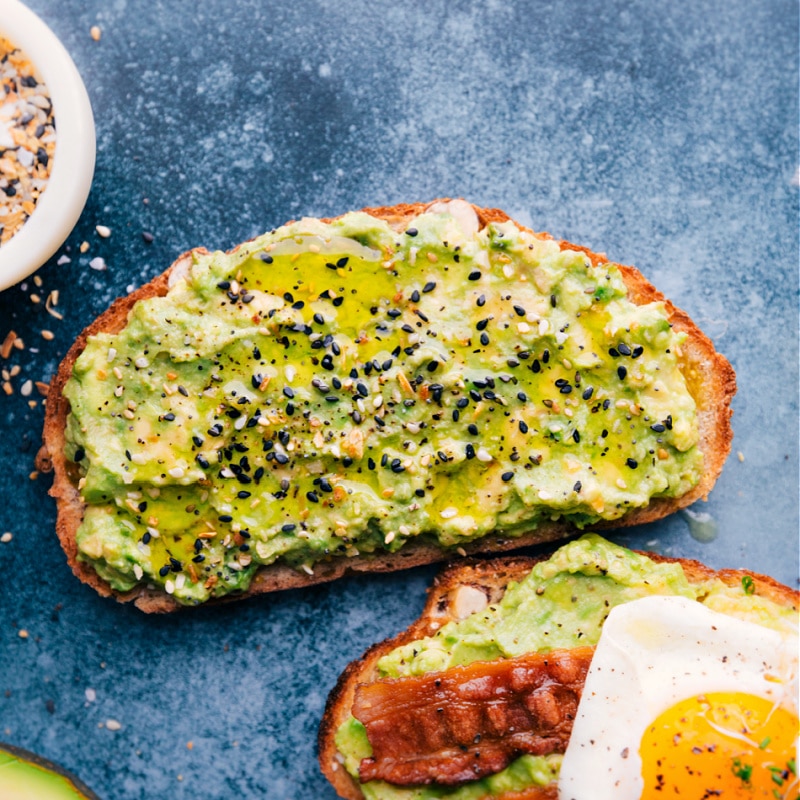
(708, 374)
(452, 598)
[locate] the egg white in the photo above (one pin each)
(653, 653)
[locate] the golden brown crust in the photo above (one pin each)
(492, 577)
(709, 374)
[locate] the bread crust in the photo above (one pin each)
(491, 576)
(709, 375)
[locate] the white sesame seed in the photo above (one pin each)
(26, 388)
(449, 513)
(169, 586)
(91, 695)
(111, 355)
(483, 454)
(240, 423)
(180, 581)
(141, 362)
(389, 538)
(176, 472)
(113, 725)
(103, 231)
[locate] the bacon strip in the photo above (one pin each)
(460, 724)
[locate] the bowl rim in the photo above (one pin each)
(62, 202)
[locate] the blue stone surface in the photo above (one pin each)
(663, 134)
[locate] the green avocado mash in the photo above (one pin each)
(338, 389)
(561, 603)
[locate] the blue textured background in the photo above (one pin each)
(664, 134)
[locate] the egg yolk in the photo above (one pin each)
(723, 744)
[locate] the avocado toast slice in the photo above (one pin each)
(483, 614)
(411, 382)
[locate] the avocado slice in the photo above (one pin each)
(26, 776)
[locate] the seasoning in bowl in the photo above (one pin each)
(27, 139)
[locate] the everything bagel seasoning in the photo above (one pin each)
(27, 139)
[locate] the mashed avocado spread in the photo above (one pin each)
(561, 603)
(335, 389)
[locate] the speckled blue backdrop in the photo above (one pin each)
(664, 134)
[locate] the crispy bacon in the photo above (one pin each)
(460, 724)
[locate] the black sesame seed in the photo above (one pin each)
(507, 476)
(476, 396)
(319, 319)
(658, 427)
(484, 338)
(164, 571)
(481, 325)
(243, 495)
(553, 300)
(288, 527)
(224, 285)
(512, 362)
(473, 429)
(362, 389)
(576, 436)
(80, 454)
(394, 313)
(523, 426)
(469, 451)
(462, 402)
(632, 463)
(225, 518)
(371, 463)
(565, 389)
(481, 301)
(443, 456)
(146, 537)
(637, 351)
(429, 287)
(312, 496)
(415, 295)
(288, 392)
(337, 301)
(522, 397)
(545, 356)
(622, 372)
(412, 232)
(668, 422)
(342, 262)
(432, 366)
(456, 415)
(613, 352)
(587, 393)
(327, 361)
(520, 311)
(265, 257)
(474, 275)
(281, 458)
(577, 487)
(623, 349)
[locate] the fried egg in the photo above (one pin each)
(684, 702)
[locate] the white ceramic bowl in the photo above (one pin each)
(60, 205)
